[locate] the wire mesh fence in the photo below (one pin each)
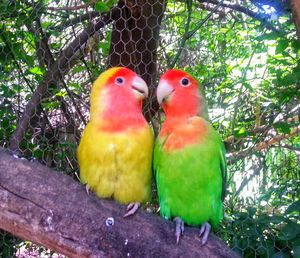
(245, 54)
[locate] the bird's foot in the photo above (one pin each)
(87, 189)
(204, 232)
(179, 228)
(132, 208)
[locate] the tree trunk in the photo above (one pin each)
(134, 42)
(51, 209)
(295, 5)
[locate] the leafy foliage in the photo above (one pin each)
(249, 68)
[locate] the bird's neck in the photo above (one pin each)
(178, 132)
(172, 122)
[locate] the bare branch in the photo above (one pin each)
(232, 157)
(61, 66)
(261, 129)
(71, 8)
(188, 34)
(262, 18)
(263, 145)
(246, 180)
(75, 20)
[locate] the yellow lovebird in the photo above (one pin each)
(115, 151)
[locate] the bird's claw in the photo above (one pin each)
(87, 189)
(179, 228)
(204, 232)
(131, 208)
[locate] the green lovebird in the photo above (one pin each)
(189, 157)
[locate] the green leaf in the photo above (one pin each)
(79, 69)
(101, 7)
(248, 86)
(289, 79)
(268, 36)
(105, 46)
(295, 206)
(283, 127)
(61, 94)
(275, 219)
(296, 251)
(36, 70)
(295, 45)
(280, 255)
(251, 210)
(296, 71)
(290, 231)
(281, 46)
(240, 132)
(111, 3)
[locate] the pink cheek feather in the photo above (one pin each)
(123, 111)
(182, 102)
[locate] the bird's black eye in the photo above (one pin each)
(185, 82)
(119, 80)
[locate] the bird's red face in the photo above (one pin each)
(116, 89)
(125, 82)
(116, 98)
(178, 94)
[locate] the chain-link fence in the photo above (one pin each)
(245, 54)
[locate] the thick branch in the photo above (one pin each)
(61, 66)
(51, 209)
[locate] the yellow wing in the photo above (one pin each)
(117, 164)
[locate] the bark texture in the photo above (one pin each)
(51, 209)
(295, 5)
(134, 42)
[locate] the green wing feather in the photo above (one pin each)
(190, 180)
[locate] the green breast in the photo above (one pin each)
(189, 180)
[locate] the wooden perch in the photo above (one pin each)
(51, 209)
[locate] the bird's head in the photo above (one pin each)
(116, 91)
(178, 93)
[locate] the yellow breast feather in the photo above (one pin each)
(117, 164)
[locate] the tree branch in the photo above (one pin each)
(47, 58)
(232, 157)
(71, 8)
(75, 20)
(188, 34)
(262, 18)
(61, 66)
(262, 129)
(51, 209)
(246, 180)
